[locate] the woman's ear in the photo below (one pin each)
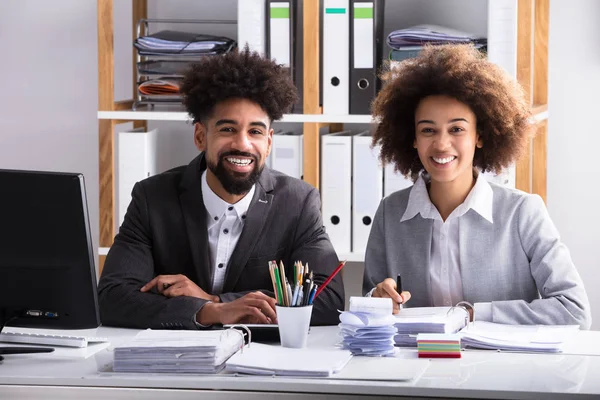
(479, 142)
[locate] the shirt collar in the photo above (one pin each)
(216, 206)
(479, 199)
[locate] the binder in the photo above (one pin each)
(287, 154)
(137, 160)
(336, 58)
(367, 189)
(393, 181)
(336, 188)
(366, 33)
(285, 41)
(252, 25)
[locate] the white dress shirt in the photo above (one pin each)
(444, 269)
(225, 223)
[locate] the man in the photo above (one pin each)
(194, 246)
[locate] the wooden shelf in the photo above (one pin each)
(129, 115)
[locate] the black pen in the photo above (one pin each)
(399, 286)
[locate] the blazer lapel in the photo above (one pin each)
(418, 253)
(255, 220)
(194, 215)
(476, 237)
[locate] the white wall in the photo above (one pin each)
(573, 136)
(49, 75)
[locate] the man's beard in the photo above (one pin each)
(235, 183)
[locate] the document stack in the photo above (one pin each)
(412, 321)
(178, 351)
(368, 328)
(525, 338)
(163, 57)
(406, 43)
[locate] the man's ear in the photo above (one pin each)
(200, 136)
(270, 139)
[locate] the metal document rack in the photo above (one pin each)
(150, 66)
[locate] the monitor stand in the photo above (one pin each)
(7, 316)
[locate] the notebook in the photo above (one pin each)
(264, 359)
(178, 351)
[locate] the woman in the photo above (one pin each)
(445, 117)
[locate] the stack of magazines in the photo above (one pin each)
(178, 351)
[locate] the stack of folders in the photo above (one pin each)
(300, 292)
(525, 338)
(368, 328)
(182, 43)
(438, 345)
(263, 359)
(178, 351)
(412, 321)
(407, 43)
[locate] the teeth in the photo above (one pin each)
(239, 161)
(444, 160)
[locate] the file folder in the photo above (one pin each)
(287, 154)
(366, 33)
(336, 188)
(137, 160)
(252, 25)
(336, 58)
(367, 188)
(394, 181)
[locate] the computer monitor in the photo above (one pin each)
(47, 271)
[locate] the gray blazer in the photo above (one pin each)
(165, 232)
(518, 263)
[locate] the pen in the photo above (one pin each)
(339, 267)
(399, 286)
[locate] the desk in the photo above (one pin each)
(478, 374)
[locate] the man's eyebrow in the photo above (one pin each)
(225, 121)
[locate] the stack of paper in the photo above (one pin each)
(264, 359)
(182, 43)
(178, 351)
(412, 321)
(422, 34)
(527, 338)
(438, 345)
(368, 328)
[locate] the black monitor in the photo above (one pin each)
(47, 271)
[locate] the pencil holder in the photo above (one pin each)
(294, 323)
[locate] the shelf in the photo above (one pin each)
(350, 257)
(129, 115)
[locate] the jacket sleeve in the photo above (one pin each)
(129, 266)
(312, 245)
(375, 255)
(563, 298)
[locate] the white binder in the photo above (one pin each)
(279, 32)
(287, 154)
(336, 57)
(393, 181)
(136, 157)
(336, 188)
(367, 189)
(251, 25)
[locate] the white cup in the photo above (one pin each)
(293, 325)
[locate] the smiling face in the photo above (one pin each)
(236, 140)
(446, 138)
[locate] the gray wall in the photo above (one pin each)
(49, 103)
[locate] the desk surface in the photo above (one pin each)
(478, 374)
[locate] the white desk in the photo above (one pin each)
(478, 374)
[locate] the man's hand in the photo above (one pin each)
(387, 288)
(255, 307)
(177, 285)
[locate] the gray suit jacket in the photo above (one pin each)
(165, 232)
(518, 263)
